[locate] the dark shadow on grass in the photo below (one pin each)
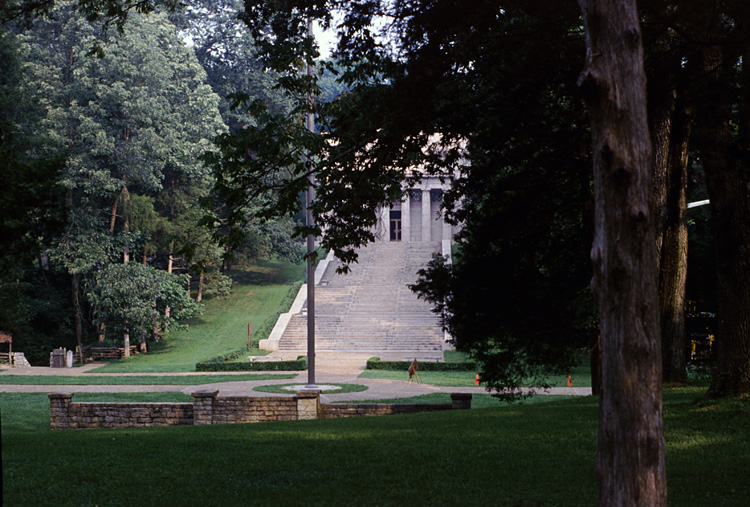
(266, 272)
(242, 277)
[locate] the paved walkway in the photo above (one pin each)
(331, 368)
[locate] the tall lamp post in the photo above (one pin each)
(310, 240)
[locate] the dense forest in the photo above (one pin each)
(106, 199)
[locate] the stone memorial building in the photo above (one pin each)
(371, 310)
(417, 217)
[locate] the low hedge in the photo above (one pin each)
(299, 364)
(374, 363)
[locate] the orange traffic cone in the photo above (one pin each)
(476, 380)
(570, 382)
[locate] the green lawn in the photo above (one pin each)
(580, 375)
(182, 380)
(477, 400)
(530, 454)
(436, 378)
(222, 328)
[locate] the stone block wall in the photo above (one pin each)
(65, 414)
(460, 401)
(209, 408)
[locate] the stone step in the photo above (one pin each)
(371, 308)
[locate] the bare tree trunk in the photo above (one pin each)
(595, 361)
(74, 292)
(670, 121)
(42, 261)
(126, 226)
(630, 453)
(113, 216)
(155, 326)
(142, 342)
(126, 252)
(660, 116)
(170, 261)
(595, 348)
(674, 252)
(78, 318)
(126, 342)
(199, 297)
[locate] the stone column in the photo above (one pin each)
(307, 404)
(384, 223)
(426, 216)
(447, 229)
(461, 401)
(203, 406)
(406, 217)
(59, 410)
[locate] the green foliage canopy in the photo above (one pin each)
(132, 296)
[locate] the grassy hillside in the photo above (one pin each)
(222, 328)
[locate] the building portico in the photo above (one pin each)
(417, 217)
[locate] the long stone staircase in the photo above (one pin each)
(371, 310)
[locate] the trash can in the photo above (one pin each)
(57, 358)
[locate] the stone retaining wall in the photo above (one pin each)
(209, 408)
(64, 414)
(336, 410)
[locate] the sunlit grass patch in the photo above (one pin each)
(256, 295)
(580, 376)
(181, 380)
(437, 378)
(477, 400)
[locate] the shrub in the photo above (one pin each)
(299, 364)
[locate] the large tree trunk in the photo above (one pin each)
(630, 455)
(660, 114)
(728, 179)
(674, 252)
(670, 121)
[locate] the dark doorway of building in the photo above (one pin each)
(395, 225)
